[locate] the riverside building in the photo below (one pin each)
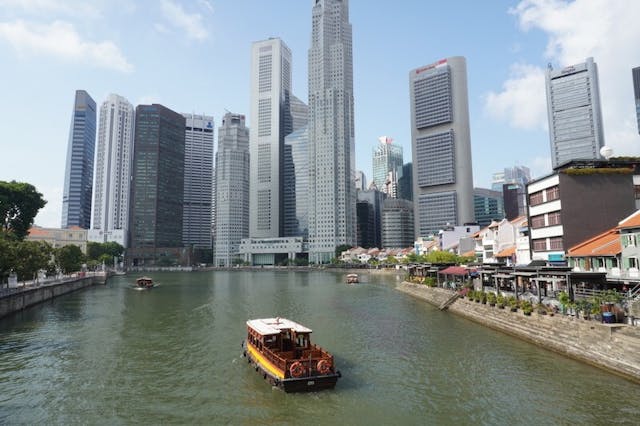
(114, 158)
(198, 182)
(575, 117)
(332, 197)
(157, 192)
(78, 177)
(441, 146)
(232, 189)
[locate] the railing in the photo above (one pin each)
(634, 293)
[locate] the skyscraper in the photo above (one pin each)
(488, 206)
(405, 183)
(232, 194)
(441, 146)
(198, 181)
(332, 195)
(157, 193)
(636, 91)
(270, 109)
(78, 177)
(387, 166)
(397, 223)
(361, 180)
(299, 114)
(296, 184)
(113, 172)
(575, 118)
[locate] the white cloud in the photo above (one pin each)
(190, 23)
(206, 4)
(60, 39)
(50, 216)
(521, 101)
(606, 30)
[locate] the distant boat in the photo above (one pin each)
(352, 279)
(144, 283)
(282, 353)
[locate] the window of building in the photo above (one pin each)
(554, 218)
(553, 193)
(537, 221)
(536, 198)
(540, 244)
(555, 243)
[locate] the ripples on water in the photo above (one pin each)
(111, 355)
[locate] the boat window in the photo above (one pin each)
(301, 341)
(270, 341)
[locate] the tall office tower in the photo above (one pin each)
(488, 206)
(296, 184)
(198, 181)
(575, 118)
(405, 183)
(232, 194)
(387, 166)
(78, 177)
(516, 174)
(441, 146)
(361, 180)
(369, 218)
(397, 223)
(299, 114)
(114, 158)
(332, 194)
(157, 187)
(270, 99)
(636, 91)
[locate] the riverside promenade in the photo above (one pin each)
(16, 299)
(613, 347)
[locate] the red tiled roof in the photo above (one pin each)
(454, 270)
(605, 244)
(632, 221)
(471, 253)
(508, 252)
(36, 231)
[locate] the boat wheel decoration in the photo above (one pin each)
(296, 369)
(323, 366)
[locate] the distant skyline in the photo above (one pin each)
(195, 57)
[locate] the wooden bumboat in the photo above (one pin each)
(352, 279)
(282, 352)
(144, 282)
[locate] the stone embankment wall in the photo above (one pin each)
(614, 347)
(25, 298)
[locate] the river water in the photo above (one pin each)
(172, 355)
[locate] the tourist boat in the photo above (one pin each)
(144, 283)
(282, 352)
(352, 279)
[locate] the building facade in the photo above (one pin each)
(157, 188)
(270, 109)
(488, 205)
(361, 180)
(387, 166)
(232, 194)
(369, 218)
(114, 158)
(636, 92)
(575, 117)
(405, 182)
(332, 194)
(397, 223)
(441, 146)
(198, 182)
(78, 177)
(57, 238)
(296, 184)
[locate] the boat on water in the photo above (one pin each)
(352, 279)
(144, 283)
(282, 352)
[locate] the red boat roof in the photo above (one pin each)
(269, 326)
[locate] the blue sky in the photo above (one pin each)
(194, 55)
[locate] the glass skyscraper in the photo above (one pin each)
(387, 166)
(296, 184)
(332, 193)
(78, 178)
(575, 117)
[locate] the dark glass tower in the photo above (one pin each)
(157, 189)
(78, 178)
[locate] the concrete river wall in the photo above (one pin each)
(614, 347)
(25, 297)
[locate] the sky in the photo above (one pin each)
(194, 56)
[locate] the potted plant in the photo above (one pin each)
(513, 303)
(491, 299)
(527, 307)
(483, 297)
(565, 301)
(500, 301)
(541, 309)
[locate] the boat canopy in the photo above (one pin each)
(270, 326)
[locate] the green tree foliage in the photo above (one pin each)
(104, 251)
(440, 256)
(30, 257)
(340, 249)
(69, 258)
(7, 258)
(392, 260)
(19, 205)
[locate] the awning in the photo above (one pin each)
(455, 270)
(508, 252)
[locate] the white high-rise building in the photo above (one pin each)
(114, 159)
(270, 112)
(441, 146)
(232, 184)
(198, 181)
(575, 117)
(332, 193)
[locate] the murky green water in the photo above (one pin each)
(113, 355)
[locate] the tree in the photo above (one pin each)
(104, 251)
(7, 256)
(441, 256)
(69, 258)
(19, 205)
(31, 257)
(340, 249)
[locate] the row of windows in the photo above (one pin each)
(545, 195)
(435, 159)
